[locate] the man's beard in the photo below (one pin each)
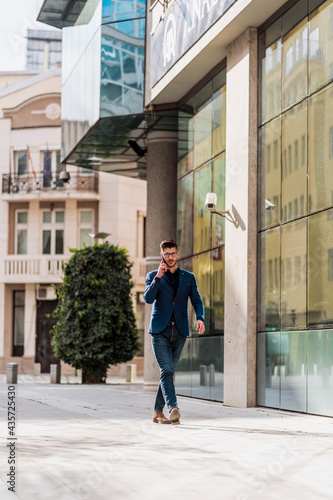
(174, 264)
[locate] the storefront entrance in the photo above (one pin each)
(44, 352)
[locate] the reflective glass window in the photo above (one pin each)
(270, 178)
(202, 269)
(201, 169)
(294, 54)
(185, 216)
(202, 216)
(269, 283)
(320, 354)
(185, 140)
(183, 376)
(271, 56)
(207, 368)
(202, 150)
(293, 373)
(320, 269)
(217, 291)
(293, 270)
(294, 180)
(268, 369)
(320, 149)
(320, 50)
(218, 222)
(219, 116)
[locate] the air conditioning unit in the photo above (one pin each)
(46, 293)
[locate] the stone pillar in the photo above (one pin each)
(161, 222)
(241, 242)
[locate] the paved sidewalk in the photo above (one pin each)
(44, 378)
(99, 443)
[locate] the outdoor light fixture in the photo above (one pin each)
(137, 149)
(101, 236)
(210, 203)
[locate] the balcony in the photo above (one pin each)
(48, 186)
(48, 269)
(139, 271)
(32, 269)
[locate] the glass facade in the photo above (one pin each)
(103, 67)
(201, 169)
(295, 311)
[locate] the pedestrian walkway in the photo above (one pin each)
(44, 378)
(98, 442)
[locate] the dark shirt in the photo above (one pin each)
(174, 280)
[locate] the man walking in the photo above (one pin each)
(168, 289)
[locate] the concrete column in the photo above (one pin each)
(241, 242)
(30, 320)
(34, 228)
(71, 226)
(161, 222)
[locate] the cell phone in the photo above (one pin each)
(163, 260)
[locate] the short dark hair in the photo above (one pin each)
(169, 243)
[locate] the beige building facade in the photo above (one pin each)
(42, 218)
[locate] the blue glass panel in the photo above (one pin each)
(121, 10)
(320, 372)
(293, 370)
(268, 369)
(122, 68)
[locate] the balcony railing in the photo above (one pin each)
(48, 269)
(32, 269)
(139, 270)
(24, 184)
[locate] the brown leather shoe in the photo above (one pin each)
(174, 416)
(160, 418)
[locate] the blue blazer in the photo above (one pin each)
(159, 292)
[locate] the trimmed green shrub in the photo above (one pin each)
(96, 325)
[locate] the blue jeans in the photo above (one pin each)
(167, 347)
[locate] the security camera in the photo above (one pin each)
(64, 176)
(137, 149)
(269, 206)
(211, 200)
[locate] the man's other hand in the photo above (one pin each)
(200, 326)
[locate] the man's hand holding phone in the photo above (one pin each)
(161, 270)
